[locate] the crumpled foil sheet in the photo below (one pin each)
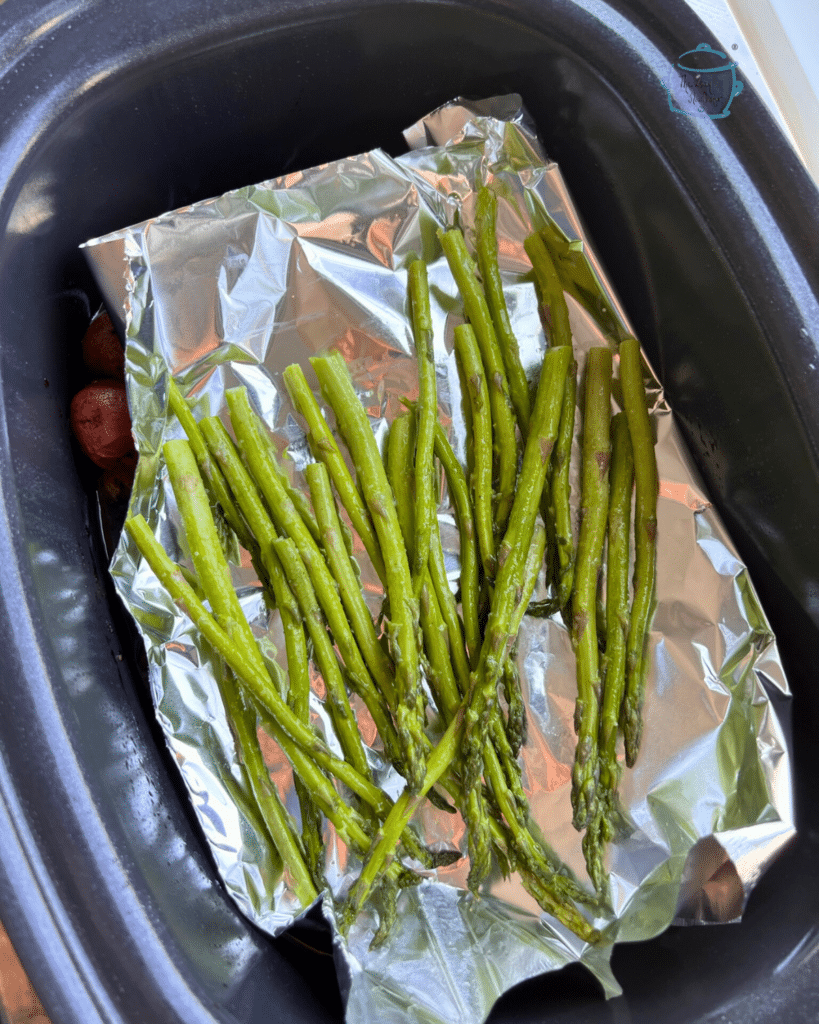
(232, 290)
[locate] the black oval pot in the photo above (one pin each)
(113, 112)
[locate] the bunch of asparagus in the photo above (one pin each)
(432, 658)
(610, 638)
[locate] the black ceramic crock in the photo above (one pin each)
(111, 112)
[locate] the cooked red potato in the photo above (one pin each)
(102, 424)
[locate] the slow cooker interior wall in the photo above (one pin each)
(144, 139)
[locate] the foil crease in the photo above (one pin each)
(230, 291)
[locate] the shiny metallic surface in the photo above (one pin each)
(230, 291)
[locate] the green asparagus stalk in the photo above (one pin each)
(470, 586)
(547, 281)
(580, 280)
(645, 541)
(537, 454)
(298, 497)
(337, 700)
(214, 576)
(593, 517)
(506, 754)
(503, 419)
(209, 563)
(516, 713)
(388, 835)
(501, 772)
(401, 475)
(211, 475)
(559, 908)
(469, 430)
(445, 599)
(486, 249)
(300, 860)
(469, 357)
(352, 421)
(617, 612)
(427, 417)
(339, 561)
(449, 610)
(560, 492)
(556, 315)
(326, 450)
(508, 760)
(454, 633)
(600, 829)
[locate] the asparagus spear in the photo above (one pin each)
(486, 248)
(593, 516)
(338, 559)
(503, 419)
(536, 457)
(579, 279)
(325, 450)
(298, 497)
(645, 541)
(556, 315)
(337, 700)
(459, 492)
(600, 829)
(306, 881)
(516, 714)
(214, 480)
(617, 612)
(427, 417)
(401, 475)
(469, 430)
(387, 836)
(560, 491)
(478, 397)
(553, 302)
(506, 755)
(352, 421)
(454, 633)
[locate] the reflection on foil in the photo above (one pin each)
(231, 291)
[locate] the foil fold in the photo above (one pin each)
(232, 290)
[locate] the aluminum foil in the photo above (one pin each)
(232, 290)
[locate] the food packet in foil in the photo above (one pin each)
(229, 292)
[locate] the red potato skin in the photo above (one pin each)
(102, 350)
(102, 424)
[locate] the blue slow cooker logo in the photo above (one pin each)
(703, 82)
